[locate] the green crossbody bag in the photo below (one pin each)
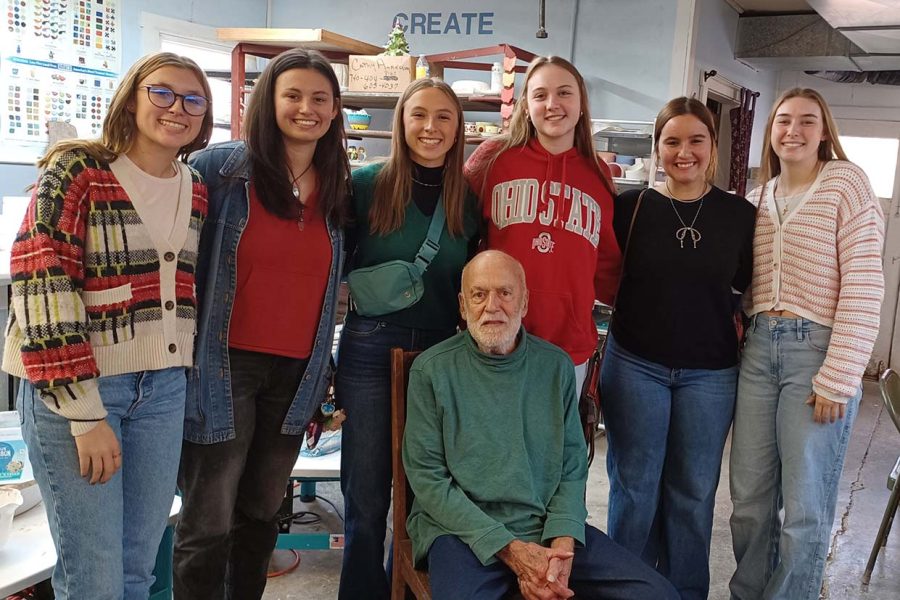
(396, 284)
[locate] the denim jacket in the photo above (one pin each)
(209, 415)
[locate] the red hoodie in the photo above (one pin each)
(561, 233)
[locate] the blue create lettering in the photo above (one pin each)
(418, 22)
(468, 17)
(485, 23)
(437, 23)
(434, 23)
(452, 23)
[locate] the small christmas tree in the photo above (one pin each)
(397, 45)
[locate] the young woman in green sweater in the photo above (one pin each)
(394, 203)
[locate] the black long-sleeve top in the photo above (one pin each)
(676, 303)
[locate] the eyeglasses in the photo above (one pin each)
(163, 97)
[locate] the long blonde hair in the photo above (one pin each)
(393, 185)
(118, 134)
(521, 129)
(829, 148)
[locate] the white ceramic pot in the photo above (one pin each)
(10, 500)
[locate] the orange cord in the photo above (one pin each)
(288, 569)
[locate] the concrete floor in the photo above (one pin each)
(863, 495)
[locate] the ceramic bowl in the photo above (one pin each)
(609, 157)
(615, 169)
(358, 121)
(10, 500)
(625, 159)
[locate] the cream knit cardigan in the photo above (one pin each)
(824, 263)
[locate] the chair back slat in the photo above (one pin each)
(401, 361)
(889, 383)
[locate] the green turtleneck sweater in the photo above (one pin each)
(493, 447)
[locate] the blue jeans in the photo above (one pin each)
(363, 388)
(781, 458)
(107, 535)
(601, 570)
(666, 430)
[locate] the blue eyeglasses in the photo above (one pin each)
(163, 97)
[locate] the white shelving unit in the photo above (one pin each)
(632, 138)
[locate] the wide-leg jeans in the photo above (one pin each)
(363, 388)
(666, 430)
(107, 535)
(781, 458)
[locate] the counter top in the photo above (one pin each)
(29, 555)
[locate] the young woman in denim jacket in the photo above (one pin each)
(393, 205)
(101, 326)
(270, 261)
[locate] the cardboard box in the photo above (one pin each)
(381, 73)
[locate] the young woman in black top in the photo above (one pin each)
(670, 373)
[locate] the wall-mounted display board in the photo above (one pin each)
(59, 60)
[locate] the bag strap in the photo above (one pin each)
(637, 207)
(431, 245)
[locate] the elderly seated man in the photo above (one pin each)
(495, 454)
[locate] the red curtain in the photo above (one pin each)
(741, 128)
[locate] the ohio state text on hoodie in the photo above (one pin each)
(553, 214)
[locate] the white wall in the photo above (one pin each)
(715, 28)
(855, 101)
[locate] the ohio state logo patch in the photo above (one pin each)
(543, 243)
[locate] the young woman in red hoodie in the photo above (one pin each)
(548, 202)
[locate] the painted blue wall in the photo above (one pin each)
(628, 75)
(622, 48)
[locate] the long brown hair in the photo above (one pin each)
(521, 129)
(119, 126)
(265, 143)
(393, 185)
(829, 148)
(678, 107)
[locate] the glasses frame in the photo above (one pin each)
(175, 97)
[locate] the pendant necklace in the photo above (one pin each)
(295, 190)
(687, 230)
(788, 199)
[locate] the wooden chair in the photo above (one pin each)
(404, 575)
(889, 383)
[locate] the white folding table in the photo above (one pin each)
(308, 471)
(28, 557)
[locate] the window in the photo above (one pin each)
(209, 59)
(877, 157)
(198, 42)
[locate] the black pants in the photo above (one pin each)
(601, 570)
(232, 490)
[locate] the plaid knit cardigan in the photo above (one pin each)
(91, 293)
